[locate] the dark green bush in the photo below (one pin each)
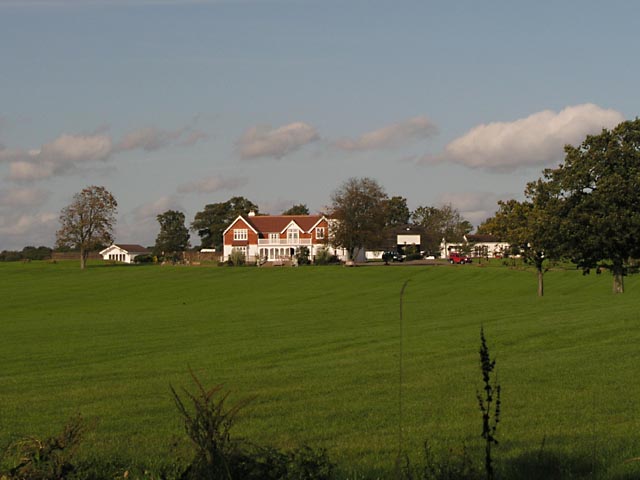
(325, 257)
(143, 258)
(237, 258)
(302, 256)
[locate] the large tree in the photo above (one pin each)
(173, 236)
(529, 227)
(596, 196)
(440, 222)
(358, 206)
(87, 222)
(396, 211)
(216, 217)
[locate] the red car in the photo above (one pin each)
(457, 258)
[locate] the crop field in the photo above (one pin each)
(319, 349)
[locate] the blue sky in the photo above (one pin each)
(176, 104)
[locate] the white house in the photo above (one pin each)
(478, 245)
(121, 252)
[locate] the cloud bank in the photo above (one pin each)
(20, 222)
(72, 152)
(212, 184)
(265, 141)
(536, 140)
(390, 136)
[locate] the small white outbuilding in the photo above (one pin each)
(123, 252)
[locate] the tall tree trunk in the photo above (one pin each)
(540, 282)
(83, 258)
(618, 277)
(538, 260)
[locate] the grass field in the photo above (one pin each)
(318, 348)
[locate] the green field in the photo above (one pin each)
(318, 348)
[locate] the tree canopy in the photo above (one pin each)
(299, 209)
(595, 194)
(358, 205)
(87, 222)
(173, 236)
(531, 228)
(438, 223)
(445, 222)
(396, 211)
(216, 217)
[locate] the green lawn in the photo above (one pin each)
(318, 348)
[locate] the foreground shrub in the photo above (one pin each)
(51, 458)
(208, 424)
(455, 464)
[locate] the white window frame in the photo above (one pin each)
(240, 234)
(274, 237)
(320, 233)
(293, 235)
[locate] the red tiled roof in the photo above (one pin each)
(277, 223)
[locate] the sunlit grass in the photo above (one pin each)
(319, 349)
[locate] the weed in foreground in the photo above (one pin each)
(220, 457)
(208, 427)
(51, 458)
(490, 410)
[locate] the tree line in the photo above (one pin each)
(587, 210)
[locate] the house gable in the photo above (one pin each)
(245, 222)
(291, 224)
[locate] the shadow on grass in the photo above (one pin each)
(550, 465)
(92, 265)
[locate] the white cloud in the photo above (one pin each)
(72, 152)
(151, 138)
(140, 225)
(150, 210)
(212, 184)
(20, 224)
(60, 156)
(28, 172)
(263, 141)
(22, 197)
(76, 148)
(148, 139)
(18, 230)
(391, 136)
(536, 140)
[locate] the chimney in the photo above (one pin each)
(252, 213)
